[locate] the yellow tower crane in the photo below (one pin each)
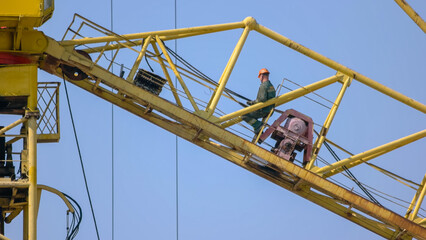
(77, 59)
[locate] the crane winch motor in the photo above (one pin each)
(295, 134)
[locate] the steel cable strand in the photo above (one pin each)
(374, 191)
(77, 218)
(81, 159)
(319, 199)
(333, 153)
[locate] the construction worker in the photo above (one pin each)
(266, 92)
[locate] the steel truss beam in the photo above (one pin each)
(249, 24)
(412, 14)
(191, 134)
(234, 148)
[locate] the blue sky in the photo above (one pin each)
(218, 200)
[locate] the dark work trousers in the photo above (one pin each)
(251, 118)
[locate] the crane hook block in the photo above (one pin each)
(295, 134)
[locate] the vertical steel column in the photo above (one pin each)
(1, 222)
(32, 177)
(25, 223)
(226, 73)
(24, 163)
(139, 59)
(324, 130)
(31, 114)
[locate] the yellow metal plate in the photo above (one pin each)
(17, 80)
(29, 13)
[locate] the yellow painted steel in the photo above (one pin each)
(57, 192)
(113, 59)
(2, 237)
(25, 13)
(25, 223)
(156, 57)
(417, 201)
(235, 147)
(29, 41)
(271, 34)
(355, 160)
(49, 116)
(177, 74)
(392, 175)
(339, 67)
(265, 120)
(12, 125)
(32, 41)
(16, 184)
(21, 80)
(139, 59)
(13, 214)
(32, 115)
(32, 80)
(101, 51)
(16, 80)
(412, 14)
(283, 98)
(32, 178)
(173, 32)
(166, 73)
(188, 125)
(231, 122)
(326, 126)
(227, 73)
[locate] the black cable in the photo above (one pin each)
(77, 218)
(81, 159)
(202, 75)
(177, 146)
(333, 153)
(231, 93)
(324, 204)
(311, 99)
(112, 136)
(149, 65)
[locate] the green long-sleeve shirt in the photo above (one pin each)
(266, 92)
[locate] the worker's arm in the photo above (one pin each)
(266, 92)
(261, 95)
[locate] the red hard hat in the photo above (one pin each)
(263, 71)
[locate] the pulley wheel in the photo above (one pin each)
(74, 73)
